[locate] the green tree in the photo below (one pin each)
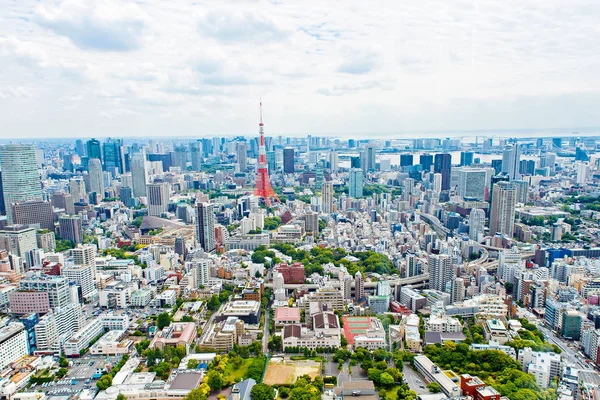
(163, 370)
(200, 393)
(63, 363)
(61, 373)
(163, 320)
(215, 380)
(275, 343)
(434, 387)
(193, 364)
(104, 382)
(121, 397)
(213, 304)
(262, 391)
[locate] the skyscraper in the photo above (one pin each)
(502, 217)
(368, 158)
(426, 160)
(70, 228)
(288, 160)
(205, 226)
(356, 183)
(196, 155)
(139, 173)
(472, 182)
(466, 158)
(93, 149)
(79, 148)
(440, 271)
(77, 189)
(242, 156)
(20, 177)
(476, 224)
(406, 160)
(114, 156)
(327, 197)
(333, 161)
(96, 178)
(511, 161)
(158, 198)
(443, 165)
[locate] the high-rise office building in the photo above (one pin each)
(327, 197)
(93, 149)
(56, 287)
(96, 178)
(355, 187)
(205, 226)
(333, 161)
(158, 198)
(476, 224)
(64, 201)
(139, 173)
(18, 239)
(114, 156)
(440, 271)
(443, 165)
(77, 189)
(368, 158)
(426, 161)
(20, 177)
(196, 155)
(79, 148)
(242, 155)
(472, 182)
(466, 158)
(502, 216)
(126, 196)
(70, 228)
(35, 213)
(511, 161)
(288, 160)
(458, 290)
(406, 160)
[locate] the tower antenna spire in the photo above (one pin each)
(261, 121)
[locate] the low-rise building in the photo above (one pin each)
(286, 316)
(543, 366)
(112, 344)
(247, 311)
(176, 334)
(494, 329)
(433, 373)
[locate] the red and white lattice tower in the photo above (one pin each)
(263, 186)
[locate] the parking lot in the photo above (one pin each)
(80, 376)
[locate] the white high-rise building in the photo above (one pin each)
(20, 177)
(440, 271)
(476, 224)
(333, 161)
(437, 182)
(77, 189)
(83, 276)
(85, 254)
(158, 198)
(13, 344)
(511, 159)
(139, 173)
(502, 217)
(327, 197)
(96, 178)
(472, 182)
(201, 271)
(583, 172)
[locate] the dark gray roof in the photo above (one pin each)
(292, 330)
(187, 381)
(245, 387)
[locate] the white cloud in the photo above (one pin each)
(199, 67)
(105, 25)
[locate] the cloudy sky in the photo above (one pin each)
(82, 68)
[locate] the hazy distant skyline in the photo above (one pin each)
(110, 68)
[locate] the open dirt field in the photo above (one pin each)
(285, 372)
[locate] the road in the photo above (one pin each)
(208, 324)
(265, 339)
(568, 352)
(414, 380)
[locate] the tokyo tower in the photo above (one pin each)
(263, 186)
